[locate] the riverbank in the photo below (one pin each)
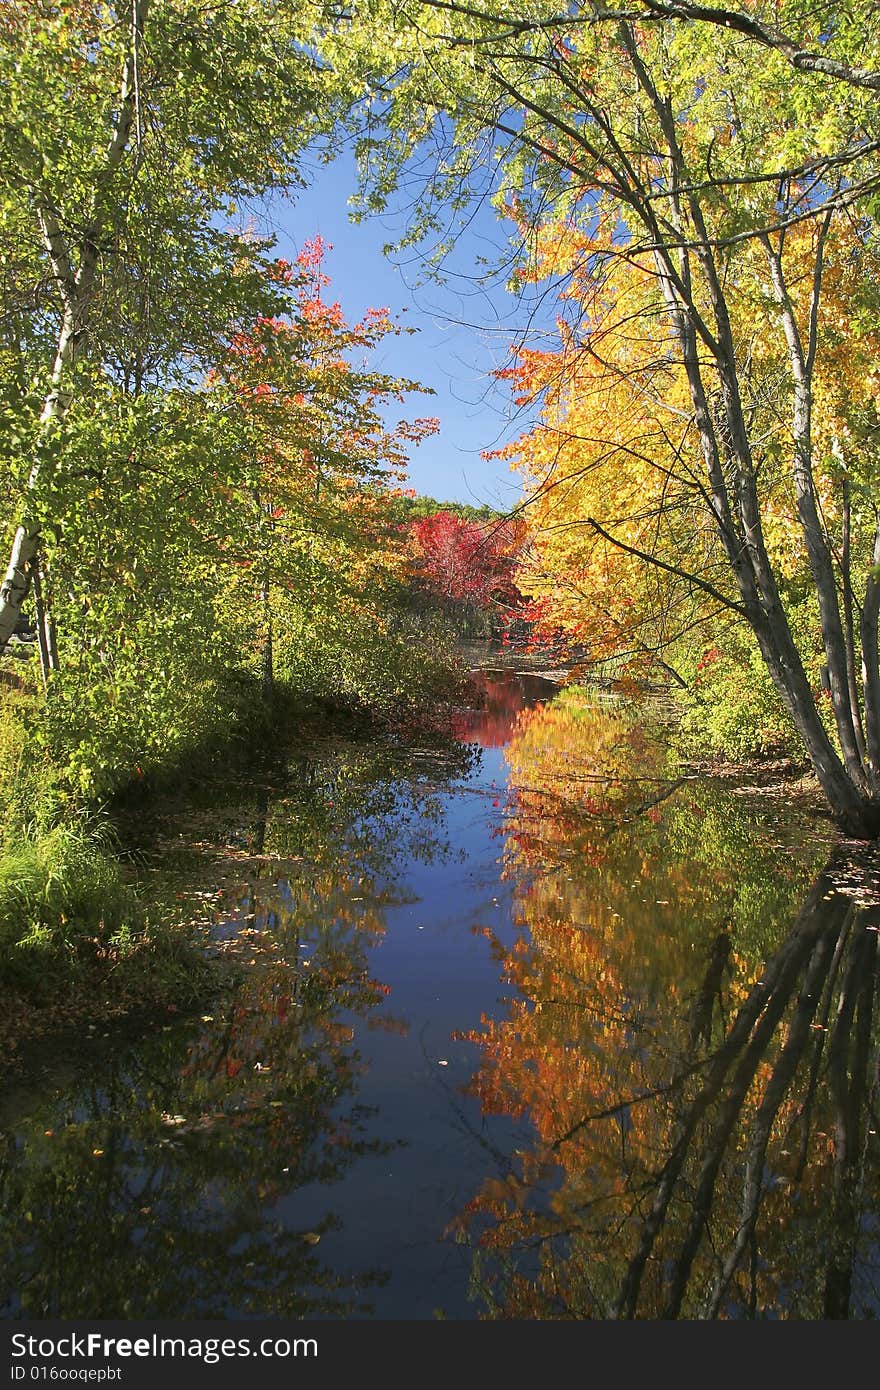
(87, 941)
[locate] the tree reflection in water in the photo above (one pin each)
(694, 1076)
(704, 1103)
(497, 699)
(166, 1178)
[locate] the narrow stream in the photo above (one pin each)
(527, 1025)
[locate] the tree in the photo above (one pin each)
(240, 527)
(623, 550)
(605, 477)
(687, 146)
(466, 566)
(318, 464)
(186, 424)
(131, 134)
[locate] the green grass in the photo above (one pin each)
(68, 915)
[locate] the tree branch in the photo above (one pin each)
(657, 563)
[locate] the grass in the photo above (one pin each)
(67, 914)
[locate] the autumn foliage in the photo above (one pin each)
(467, 568)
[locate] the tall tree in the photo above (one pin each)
(624, 552)
(317, 458)
(687, 146)
(131, 133)
(238, 526)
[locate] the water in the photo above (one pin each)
(527, 1026)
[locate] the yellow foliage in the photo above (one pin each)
(622, 534)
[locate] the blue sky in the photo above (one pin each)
(465, 331)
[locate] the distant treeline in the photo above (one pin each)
(407, 507)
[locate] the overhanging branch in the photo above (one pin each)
(657, 563)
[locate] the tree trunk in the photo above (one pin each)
(850, 637)
(814, 538)
(871, 657)
(741, 535)
(14, 588)
(45, 627)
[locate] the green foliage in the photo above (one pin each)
(131, 573)
(731, 706)
(406, 508)
(382, 661)
(66, 911)
(198, 481)
(58, 885)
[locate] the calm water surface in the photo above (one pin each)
(527, 1026)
